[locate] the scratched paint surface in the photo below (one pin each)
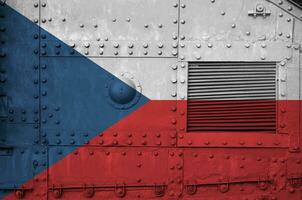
(150, 99)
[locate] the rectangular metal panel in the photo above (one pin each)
(112, 28)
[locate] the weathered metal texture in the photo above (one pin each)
(94, 99)
(112, 28)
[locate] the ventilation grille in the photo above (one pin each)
(231, 97)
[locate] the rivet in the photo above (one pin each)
(280, 14)
(247, 45)
(228, 45)
(248, 33)
(288, 19)
(87, 45)
(174, 80)
(115, 45)
(146, 25)
(130, 45)
(128, 20)
(263, 45)
(175, 5)
(210, 45)
(290, 8)
(296, 47)
(160, 45)
(183, 5)
(160, 25)
(233, 25)
(182, 21)
(222, 13)
(145, 45)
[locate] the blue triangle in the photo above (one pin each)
(68, 99)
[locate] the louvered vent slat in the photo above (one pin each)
(231, 97)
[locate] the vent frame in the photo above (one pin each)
(228, 65)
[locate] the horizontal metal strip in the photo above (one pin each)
(221, 111)
(235, 98)
(209, 111)
(226, 74)
(237, 76)
(272, 85)
(246, 129)
(247, 64)
(232, 106)
(231, 89)
(227, 82)
(233, 79)
(239, 124)
(227, 102)
(211, 70)
(193, 93)
(238, 120)
(203, 103)
(227, 116)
